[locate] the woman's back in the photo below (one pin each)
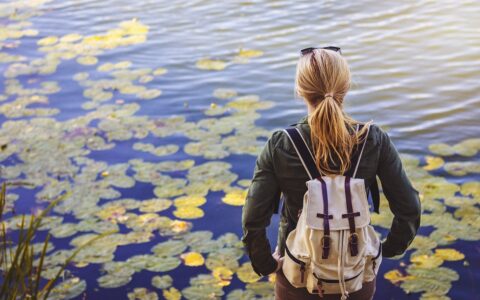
(323, 79)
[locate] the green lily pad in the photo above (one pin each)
(169, 248)
(162, 282)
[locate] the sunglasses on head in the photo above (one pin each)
(310, 49)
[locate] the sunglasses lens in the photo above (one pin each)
(336, 49)
(308, 50)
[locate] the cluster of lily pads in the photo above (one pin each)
(424, 272)
(57, 157)
(242, 57)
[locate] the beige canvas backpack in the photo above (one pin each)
(333, 248)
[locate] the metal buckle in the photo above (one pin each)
(353, 238)
(325, 240)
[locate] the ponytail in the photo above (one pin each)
(330, 137)
(323, 80)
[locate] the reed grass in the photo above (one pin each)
(20, 278)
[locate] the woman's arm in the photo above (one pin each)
(402, 198)
(261, 200)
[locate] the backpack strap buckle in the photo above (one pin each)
(353, 243)
(325, 242)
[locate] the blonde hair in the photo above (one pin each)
(323, 80)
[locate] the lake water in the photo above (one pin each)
(111, 100)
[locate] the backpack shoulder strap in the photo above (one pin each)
(373, 188)
(306, 157)
(361, 152)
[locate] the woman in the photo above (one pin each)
(322, 81)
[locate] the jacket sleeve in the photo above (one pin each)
(402, 197)
(260, 203)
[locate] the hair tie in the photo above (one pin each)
(329, 95)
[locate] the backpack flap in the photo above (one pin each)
(328, 198)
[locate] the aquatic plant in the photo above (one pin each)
(22, 261)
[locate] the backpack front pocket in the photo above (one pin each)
(296, 268)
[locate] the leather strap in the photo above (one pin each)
(353, 239)
(326, 224)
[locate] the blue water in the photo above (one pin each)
(415, 71)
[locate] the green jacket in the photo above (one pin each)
(279, 173)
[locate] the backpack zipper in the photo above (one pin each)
(301, 263)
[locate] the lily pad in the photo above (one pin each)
(192, 259)
(211, 64)
(246, 274)
(162, 282)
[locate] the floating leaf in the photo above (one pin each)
(69, 38)
(162, 282)
(249, 53)
(68, 289)
(427, 261)
(192, 259)
(462, 168)
(441, 149)
(449, 254)
(47, 41)
(263, 289)
(211, 64)
(246, 274)
(111, 281)
(190, 200)
(155, 205)
(223, 93)
(471, 188)
(239, 294)
(172, 294)
(188, 212)
(159, 71)
(169, 248)
(87, 60)
(433, 163)
(395, 276)
(235, 197)
(142, 294)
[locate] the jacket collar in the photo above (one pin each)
(303, 120)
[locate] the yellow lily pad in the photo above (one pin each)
(471, 188)
(192, 259)
(250, 53)
(433, 162)
(188, 212)
(159, 71)
(235, 197)
(87, 60)
(246, 274)
(441, 149)
(47, 41)
(211, 64)
(449, 254)
(427, 261)
(223, 275)
(172, 294)
(395, 276)
(190, 200)
(71, 37)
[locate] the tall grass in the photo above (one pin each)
(20, 278)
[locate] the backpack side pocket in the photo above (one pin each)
(296, 267)
(374, 258)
